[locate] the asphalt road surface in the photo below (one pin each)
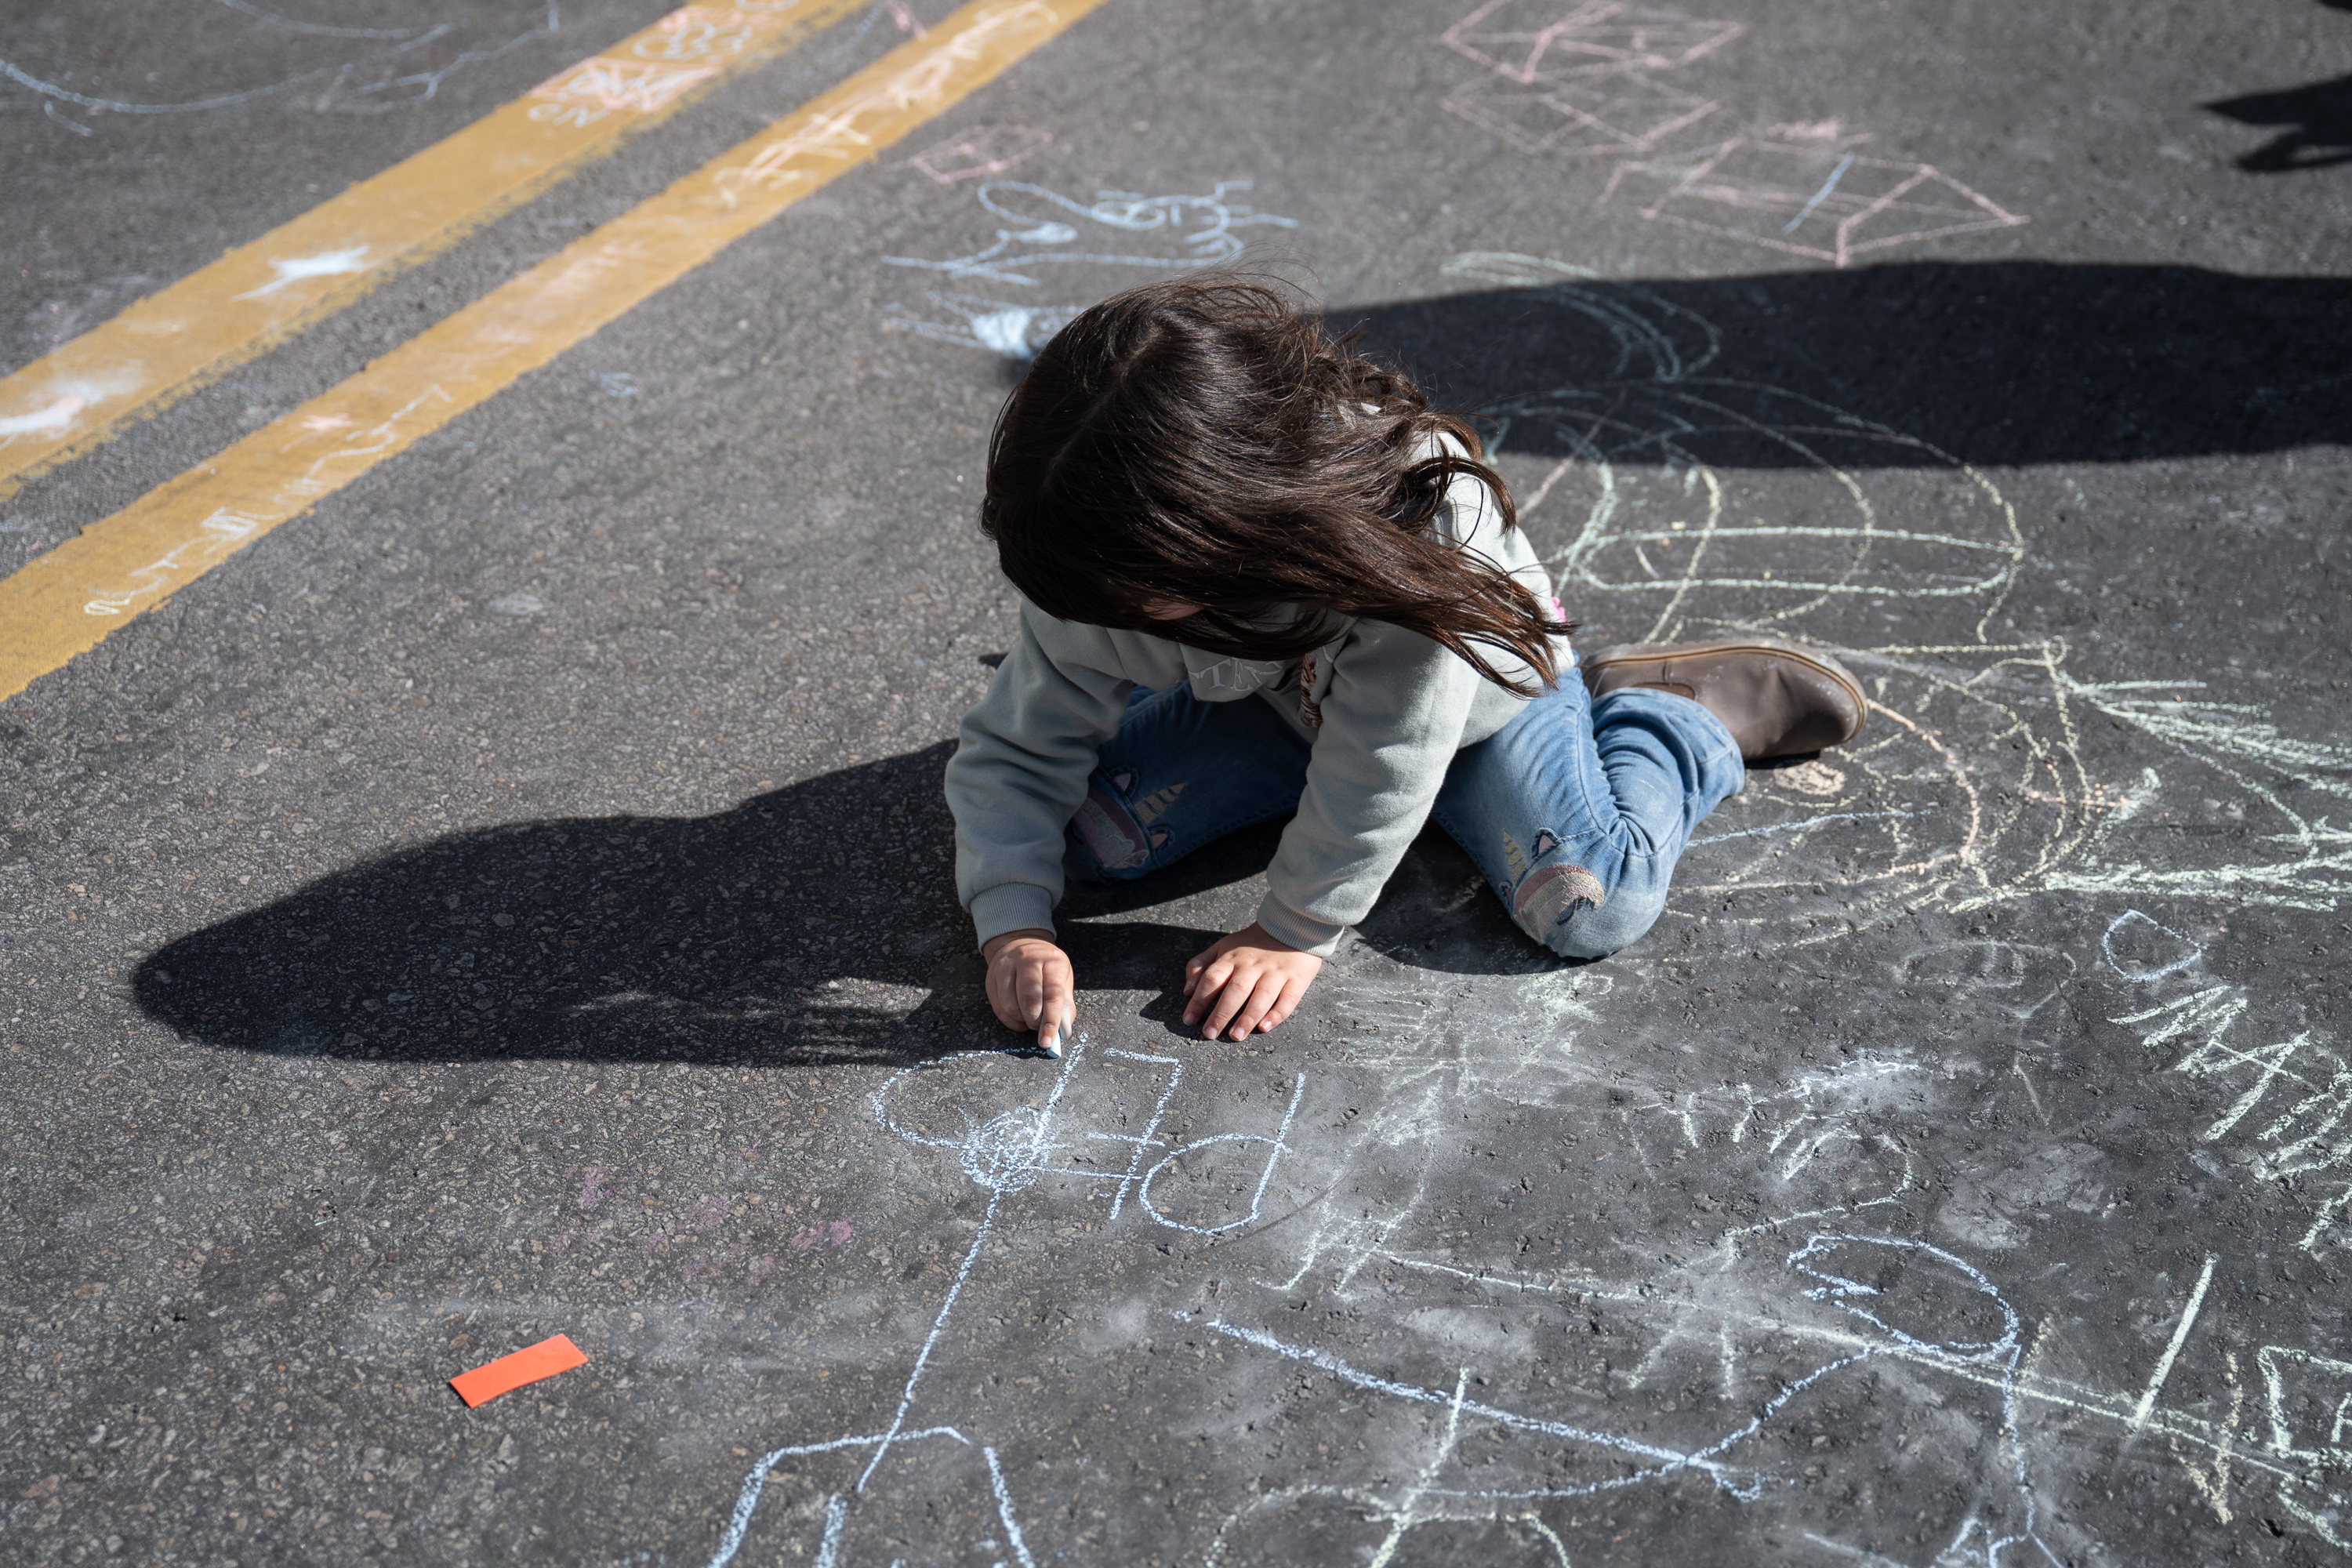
(473, 866)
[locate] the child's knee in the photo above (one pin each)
(1596, 930)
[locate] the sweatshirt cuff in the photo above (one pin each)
(1012, 906)
(1302, 931)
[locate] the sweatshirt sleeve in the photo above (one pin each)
(1020, 770)
(1391, 722)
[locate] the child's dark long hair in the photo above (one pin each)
(1198, 442)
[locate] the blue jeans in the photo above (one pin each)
(1576, 811)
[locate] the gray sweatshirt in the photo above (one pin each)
(1395, 707)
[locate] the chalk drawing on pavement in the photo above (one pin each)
(1038, 230)
(1606, 116)
(1532, 42)
(2288, 1112)
(1824, 202)
(1016, 331)
(1598, 79)
(1201, 1186)
(1692, 502)
(1496, 1386)
(1947, 1314)
(392, 72)
(981, 152)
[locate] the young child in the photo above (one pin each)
(1261, 578)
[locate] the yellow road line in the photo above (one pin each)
(65, 602)
(257, 296)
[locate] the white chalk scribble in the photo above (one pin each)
(1040, 228)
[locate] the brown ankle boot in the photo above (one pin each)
(1778, 699)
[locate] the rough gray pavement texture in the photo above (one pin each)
(514, 898)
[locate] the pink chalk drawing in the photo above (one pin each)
(824, 1234)
(1579, 78)
(980, 153)
(1818, 132)
(597, 1183)
(640, 86)
(1614, 115)
(1585, 71)
(1533, 42)
(1814, 199)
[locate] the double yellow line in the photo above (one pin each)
(180, 339)
(67, 601)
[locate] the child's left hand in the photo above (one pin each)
(1248, 980)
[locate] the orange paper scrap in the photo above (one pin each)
(508, 1373)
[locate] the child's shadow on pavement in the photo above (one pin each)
(758, 936)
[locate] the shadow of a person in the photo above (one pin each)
(2318, 120)
(725, 938)
(1896, 366)
(770, 934)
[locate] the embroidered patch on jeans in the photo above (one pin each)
(1108, 830)
(1552, 893)
(1154, 806)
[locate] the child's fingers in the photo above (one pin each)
(1210, 1000)
(1004, 991)
(1007, 1006)
(1224, 991)
(1205, 991)
(1030, 986)
(1033, 994)
(1206, 1000)
(1262, 998)
(1293, 991)
(1059, 1010)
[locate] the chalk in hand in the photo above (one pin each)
(510, 1372)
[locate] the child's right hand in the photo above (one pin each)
(1031, 986)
